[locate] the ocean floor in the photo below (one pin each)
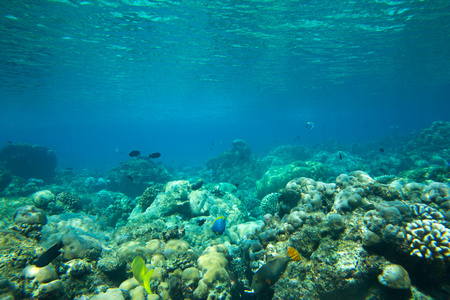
(368, 222)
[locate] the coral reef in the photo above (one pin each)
(133, 177)
(236, 165)
(350, 228)
(277, 177)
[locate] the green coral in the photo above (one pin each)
(277, 177)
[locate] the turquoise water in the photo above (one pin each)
(88, 77)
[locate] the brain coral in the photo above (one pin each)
(429, 239)
(269, 203)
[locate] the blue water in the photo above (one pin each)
(94, 80)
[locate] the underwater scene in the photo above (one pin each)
(224, 149)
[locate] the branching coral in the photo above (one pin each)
(426, 212)
(429, 239)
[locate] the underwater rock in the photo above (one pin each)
(200, 202)
(347, 199)
(129, 250)
(239, 232)
(369, 238)
(315, 195)
(40, 275)
(436, 192)
(29, 215)
(129, 284)
(336, 222)
(28, 161)
(74, 246)
(81, 235)
(390, 213)
(374, 221)
(296, 218)
(174, 246)
(110, 294)
(112, 266)
(176, 288)
(150, 194)
(213, 263)
(42, 198)
(51, 290)
(78, 268)
(395, 276)
(190, 277)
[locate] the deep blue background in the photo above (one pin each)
(187, 78)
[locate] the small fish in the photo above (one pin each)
(134, 153)
(309, 125)
(49, 255)
(197, 185)
(154, 155)
(69, 169)
(269, 274)
(200, 222)
(340, 155)
(382, 150)
(130, 177)
(219, 225)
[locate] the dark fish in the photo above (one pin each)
(219, 225)
(69, 168)
(197, 185)
(134, 153)
(340, 155)
(9, 142)
(269, 274)
(200, 222)
(382, 150)
(154, 155)
(49, 255)
(130, 177)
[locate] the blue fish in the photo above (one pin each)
(219, 225)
